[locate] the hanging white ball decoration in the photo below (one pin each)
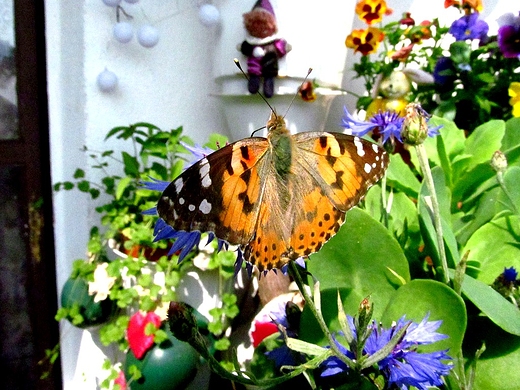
(148, 36)
(123, 32)
(209, 15)
(107, 81)
(112, 3)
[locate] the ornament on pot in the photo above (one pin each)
(107, 81)
(262, 47)
(209, 15)
(392, 90)
(83, 309)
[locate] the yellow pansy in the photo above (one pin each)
(371, 11)
(365, 41)
(514, 92)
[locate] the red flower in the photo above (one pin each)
(138, 340)
(261, 331)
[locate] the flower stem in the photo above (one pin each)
(309, 302)
(500, 179)
(425, 167)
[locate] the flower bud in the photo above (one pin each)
(499, 162)
(415, 125)
(182, 322)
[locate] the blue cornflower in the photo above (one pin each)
(510, 274)
(469, 27)
(387, 123)
(404, 366)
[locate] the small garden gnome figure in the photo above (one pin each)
(262, 47)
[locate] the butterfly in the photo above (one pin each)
(278, 198)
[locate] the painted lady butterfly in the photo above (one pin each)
(278, 198)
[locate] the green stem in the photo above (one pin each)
(500, 179)
(309, 302)
(425, 167)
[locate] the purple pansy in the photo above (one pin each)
(404, 366)
(509, 35)
(469, 27)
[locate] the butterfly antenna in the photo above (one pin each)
(299, 89)
(237, 63)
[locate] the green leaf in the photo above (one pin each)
(485, 140)
(499, 310)
(422, 296)
(131, 164)
(79, 174)
(496, 368)
(122, 186)
(511, 182)
(401, 177)
(496, 245)
(83, 186)
(511, 141)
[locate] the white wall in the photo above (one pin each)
(168, 85)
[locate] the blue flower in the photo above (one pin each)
(404, 366)
(387, 123)
(469, 27)
(510, 274)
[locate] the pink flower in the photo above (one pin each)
(138, 340)
(121, 381)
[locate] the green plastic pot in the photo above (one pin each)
(168, 366)
(94, 313)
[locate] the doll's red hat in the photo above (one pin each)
(264, 5)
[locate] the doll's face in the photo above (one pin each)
(260, 24)
(395, 86)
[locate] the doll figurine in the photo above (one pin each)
(262, 47)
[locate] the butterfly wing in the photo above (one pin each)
(344, 166)
(220, 193)
(330, 173)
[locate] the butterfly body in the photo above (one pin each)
(278, 198)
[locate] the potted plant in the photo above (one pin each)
(126, 295)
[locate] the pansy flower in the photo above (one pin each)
(371, 11)
(509, 35)
(469, 27)
(365, 41)
(474, 4)
(514, 92)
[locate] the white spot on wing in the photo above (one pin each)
(205, 207)
(375, 148)
(359, 147)
(368, 168)
(181, 201)
(178, 184)
(191, 207)
(204, 173)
